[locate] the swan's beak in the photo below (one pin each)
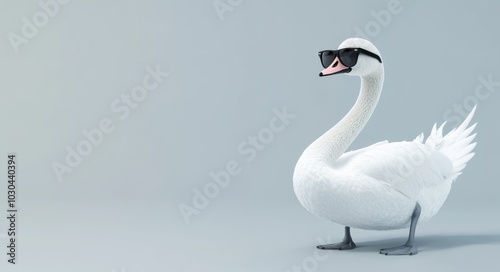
(336, 68)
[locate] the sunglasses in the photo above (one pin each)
(348, 56)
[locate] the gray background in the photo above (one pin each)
(119, 209)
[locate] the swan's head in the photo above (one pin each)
(355, 56)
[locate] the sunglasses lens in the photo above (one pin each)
(348, 57)
(327, 58)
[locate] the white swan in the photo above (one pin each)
(383, 186)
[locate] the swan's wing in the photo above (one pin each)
(408, 167)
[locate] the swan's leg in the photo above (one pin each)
(347, 243)
(409, 248)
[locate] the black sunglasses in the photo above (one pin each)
(348, 56)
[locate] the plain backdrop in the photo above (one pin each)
(231, 65)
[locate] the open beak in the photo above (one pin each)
(335, 68)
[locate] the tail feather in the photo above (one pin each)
(457, 145)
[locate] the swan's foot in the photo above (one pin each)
(400, 250)
(409, 248)
(346, 245)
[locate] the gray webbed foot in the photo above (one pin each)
(400, 250)
(409, 248)
(346, 245)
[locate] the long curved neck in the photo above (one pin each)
(331, 145)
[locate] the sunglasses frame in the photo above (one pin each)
(356, 49)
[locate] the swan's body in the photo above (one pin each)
(382, 186)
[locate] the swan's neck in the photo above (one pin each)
(331, 145)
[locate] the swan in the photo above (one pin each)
(387, 185)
